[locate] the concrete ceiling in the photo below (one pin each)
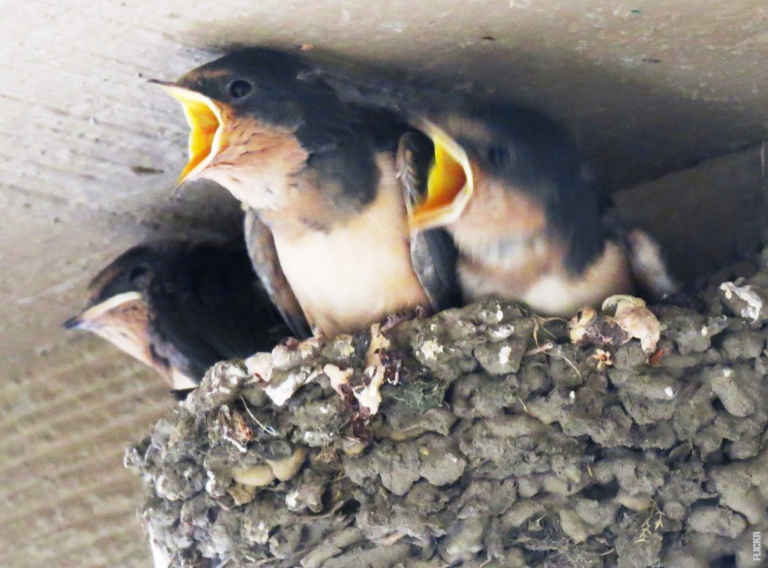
(90, 151)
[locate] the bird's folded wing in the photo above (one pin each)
(261, 249)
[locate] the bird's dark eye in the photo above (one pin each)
(239, 88)
(498, 156)
(137, 273)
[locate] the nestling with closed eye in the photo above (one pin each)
(180, 308)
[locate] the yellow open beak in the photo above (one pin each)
(205, 122)
(450, 184)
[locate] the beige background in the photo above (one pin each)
(649, 86)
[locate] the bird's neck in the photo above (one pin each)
(318, 203)
(300, 214)
(499, 223)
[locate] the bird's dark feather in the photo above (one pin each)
(207, 306)
(261, 249)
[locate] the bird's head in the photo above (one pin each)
(255, 117)
(117, 309)
(505, 146)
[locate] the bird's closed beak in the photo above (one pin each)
(450, 184)
(73, 323)
(205, 123)
(90, 317)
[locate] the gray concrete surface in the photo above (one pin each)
(704, 217)
(648, 86)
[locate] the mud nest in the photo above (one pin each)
(493, 440)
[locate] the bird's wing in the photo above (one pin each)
(647, 262)
(207, 306)
(433, 252)
(261, 249)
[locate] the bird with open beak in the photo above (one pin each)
(326, 221)
(180, 308)
(507, 184)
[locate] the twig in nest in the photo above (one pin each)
(268, 429)
(567, 360)
(656, 357)
(540, 323)
(646, 530)
(539, 349)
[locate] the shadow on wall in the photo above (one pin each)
(198, 210)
